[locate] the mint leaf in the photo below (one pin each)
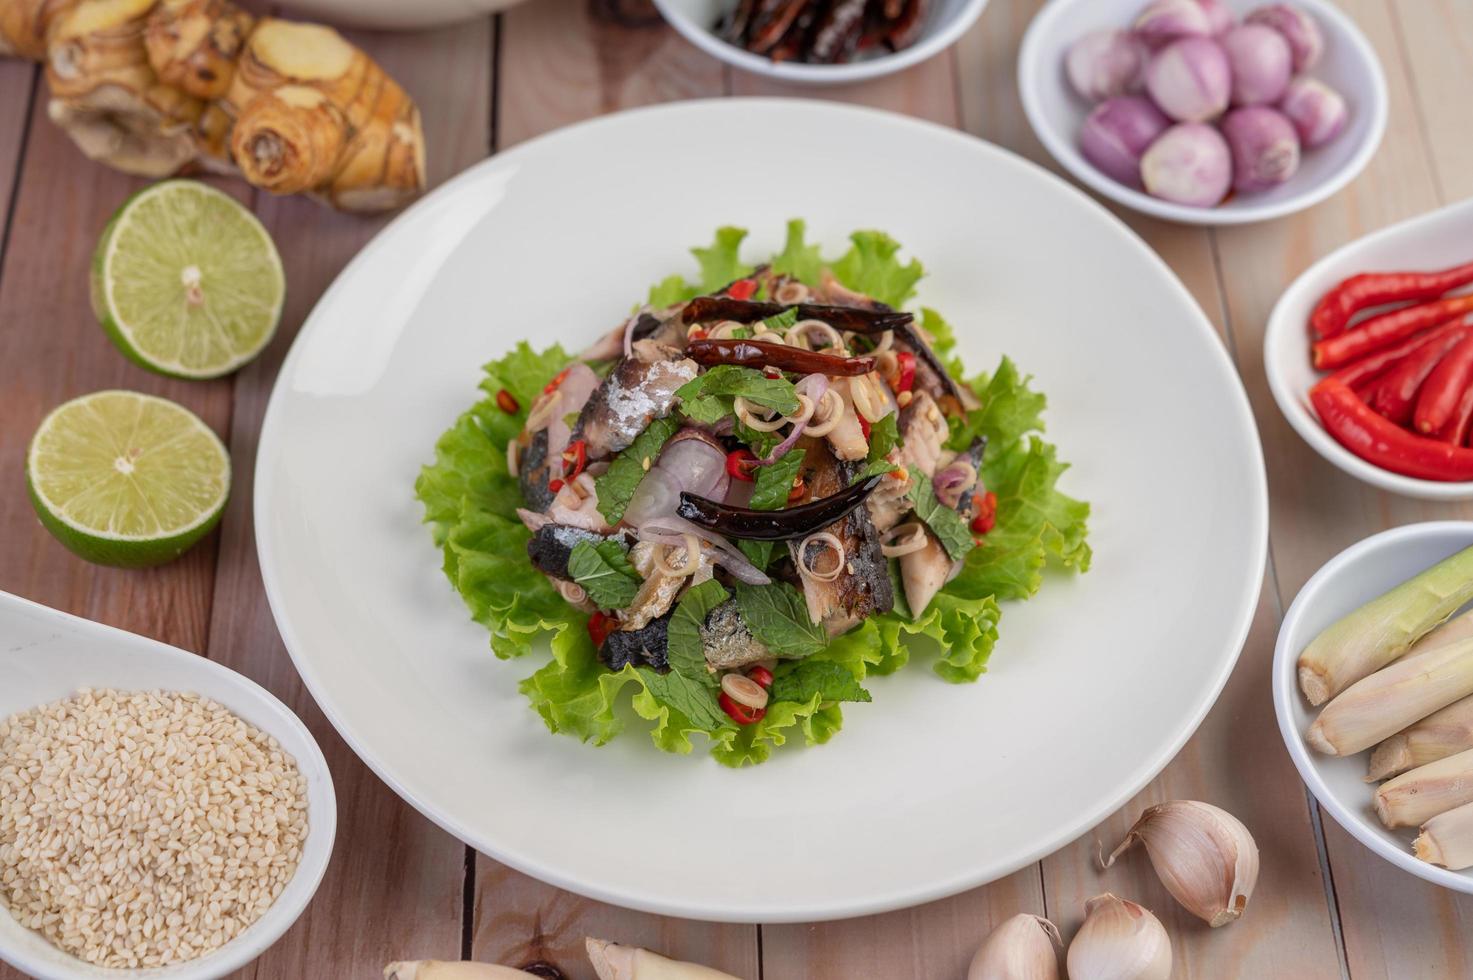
(773, 484)
(779, 322)
(691, 698)
(686, 652)
(706, 409)
(778, 617)
(872, 468)
(801, 680)
(883, 437)
(605, 573)
(720, 264)
(870, 267)
(761, 443)
(749, 383)
(621, 479)
(797, 259)
(944, 522)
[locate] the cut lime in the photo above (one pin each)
(186, 281)
(127, 479)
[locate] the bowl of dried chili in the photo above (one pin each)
(1369, 355)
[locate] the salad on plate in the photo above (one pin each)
(746, 499)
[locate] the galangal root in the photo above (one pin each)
(152, 87)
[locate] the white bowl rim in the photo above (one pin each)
(1286, 691)
(944, 36)
(262, 934)
(1030, 62)
(874, 905)
(1295, 410)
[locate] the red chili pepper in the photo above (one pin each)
(576, 456)
(741, 464)
(1396, 393)
(986, 518)
(599, 627)
(761, 675)
(740, 713)
(699, 333)
(864, 426)
(1455, 431)
(1388, 328)
(1444, 387)
(507, 402)
(743, 289)
(1382, 443)
(1334, 310)
(557, 380)
(796, 494)
(1373, 366)
(907, 377)
(554, 485)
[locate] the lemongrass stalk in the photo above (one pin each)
(451, 970)
(1391, 699)
(612, 961)
(1447, 839)
(1372, 636)
(1415, 797)
(1439, 735)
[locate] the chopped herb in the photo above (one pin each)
(690, 698)
(798, 681)
(874, 467)
(944, 522)
(749, 383)
(707, 409)
(770, 492)
(605, 573)
(778, 616)
(884, 435)
(686, 652)
(761, 443)
(779, 322)
(618, 484)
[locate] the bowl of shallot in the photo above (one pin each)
(1373, 688)
(1209, 112)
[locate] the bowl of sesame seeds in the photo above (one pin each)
(160, 815)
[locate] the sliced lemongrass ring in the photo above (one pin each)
(744, 691)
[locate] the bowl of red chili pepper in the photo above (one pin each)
(1369, 355)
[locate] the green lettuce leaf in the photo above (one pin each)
(800, 680)
(870, 267)
(798, 259)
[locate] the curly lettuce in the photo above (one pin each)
(470, 500)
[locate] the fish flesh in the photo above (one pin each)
(657, 594)
(640, 389)
(726, 640)
(862, 586)
(891, 500)
(646, 647)
(923, 431)
(847, 438)
(924, 572)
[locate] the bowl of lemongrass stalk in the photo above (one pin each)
(1373, 686)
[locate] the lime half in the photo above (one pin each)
(186, 281)
(127, 479)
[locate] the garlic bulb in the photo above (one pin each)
(1022, 948)
(448, 970)
(1119, 941)
(1204, 856)
(614, 962)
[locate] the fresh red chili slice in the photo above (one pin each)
(986, 518)
(740, 713)
(907, 378)
(864, 426)
(507, 402)
(575, 456)
(761, 675)
(742, 289)
(554, 485)
(740, 465)
(799, 489)
(557, 380)
(599, 627)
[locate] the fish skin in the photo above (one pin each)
(972, 454)
(647, 647)
(726, 640)
(639, 389)
(533, 474)
(552, 545)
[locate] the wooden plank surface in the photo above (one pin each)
(398, 886)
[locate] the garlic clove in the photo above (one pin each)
(1022, 948)
(614, 962)
(1119, 940)
(1203, 855)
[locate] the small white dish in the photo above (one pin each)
(1432, 241)
(1355, 576)
(695, 20)
(47, 655)
(395, 15)
(1056, 111)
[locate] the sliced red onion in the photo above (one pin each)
(1260, 61)
(629, 326)
(1115, 135)
(814, 386)
(953, 481)
(1190, 80)
(1316, 110)
(688, 463)
(1306, 42)
(672, 531)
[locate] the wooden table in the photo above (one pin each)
(401, 888)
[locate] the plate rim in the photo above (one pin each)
(748, 910)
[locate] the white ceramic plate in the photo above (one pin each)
(47, 655)
(945, 21)
(1352, 578)
(931, 789)
(1433, 241)
(1056, 112)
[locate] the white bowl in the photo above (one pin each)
(395, 15)
(1355, 576)
(47, 656)
(1432, 241)
(1056, 112)
(946, 21)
